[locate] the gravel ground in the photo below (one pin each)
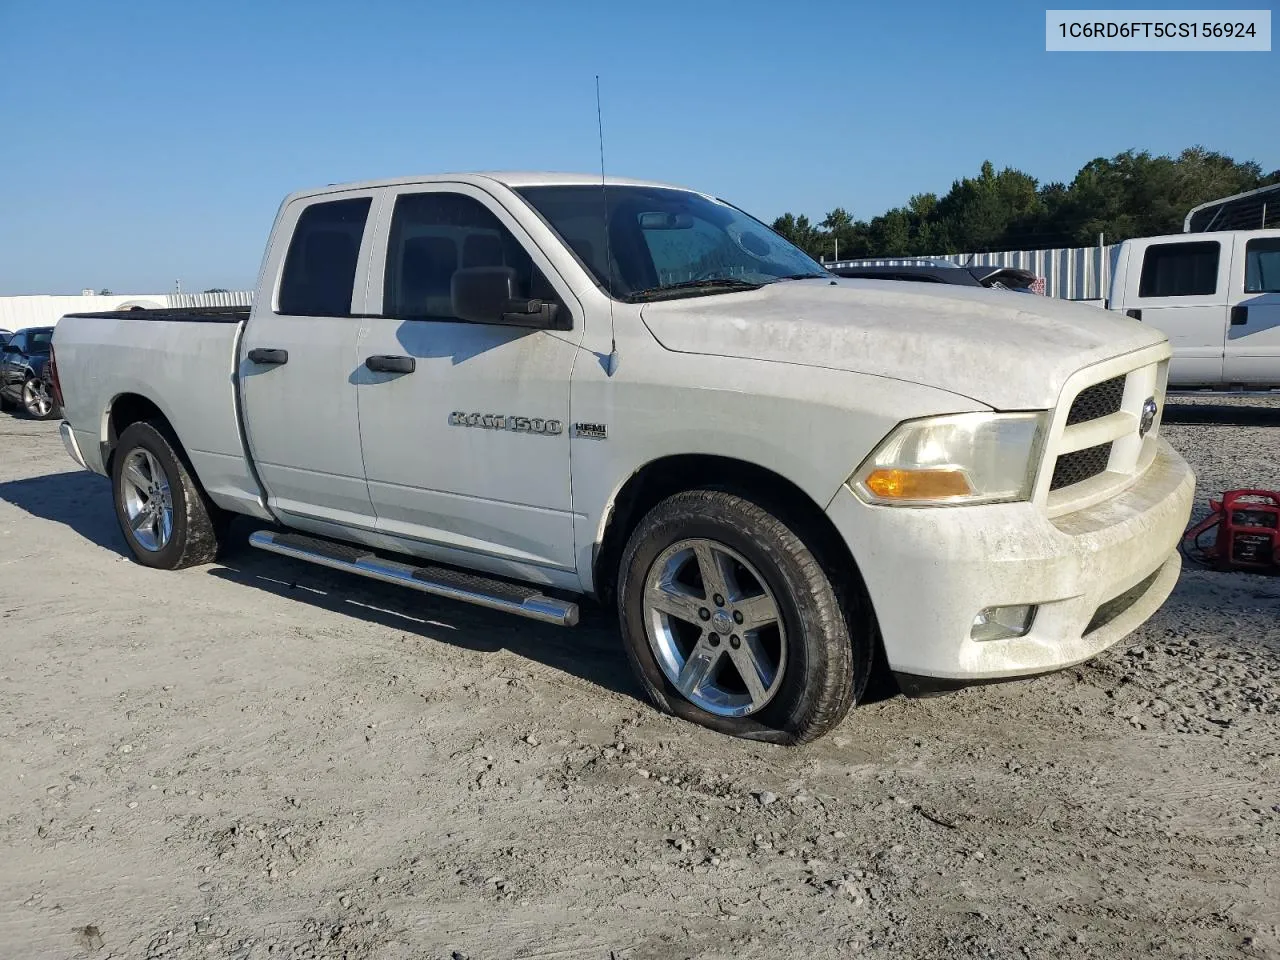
(265, 759)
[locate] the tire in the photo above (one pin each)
(37, 402)
(193, 532)
(817, 651)
(6, 404)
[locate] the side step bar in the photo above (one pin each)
(438, 581)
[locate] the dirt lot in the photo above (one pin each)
(262, 758)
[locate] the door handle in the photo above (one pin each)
(268, 356)
(1239, 315)
(385, 364)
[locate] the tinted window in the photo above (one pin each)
(660, 237)
(19, 342)
(1180, 270)
(1262, 266)
(433, 237)
(38, 341)
(320, 269)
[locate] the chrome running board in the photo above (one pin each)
(483, 591)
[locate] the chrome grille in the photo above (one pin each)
(1080, 466)
(1100, 400)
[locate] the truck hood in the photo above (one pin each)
(1008, 350)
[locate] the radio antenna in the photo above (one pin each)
(608, 253)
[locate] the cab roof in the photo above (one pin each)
(512, 179)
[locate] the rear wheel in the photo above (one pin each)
(731, 622)
(37, 401)
(165, 517)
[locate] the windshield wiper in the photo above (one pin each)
(800, 276)
(726, 283)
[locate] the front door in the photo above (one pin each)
(298, 362)
(1253, 335)
(1181, 289)
(467, 456)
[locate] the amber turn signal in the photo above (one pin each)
(899, 484)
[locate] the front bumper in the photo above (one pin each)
(1095, 574)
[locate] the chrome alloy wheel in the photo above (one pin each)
(147, 501)
(35, 398)
(714, 627)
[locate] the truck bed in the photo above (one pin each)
(185, 363)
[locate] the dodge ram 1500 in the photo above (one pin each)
(517, 389)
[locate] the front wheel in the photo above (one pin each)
(730, 621)
(165, 517)
(37, 401)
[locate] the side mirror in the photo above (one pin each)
(492, 295)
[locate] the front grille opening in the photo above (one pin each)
(1100, 400)
(1080, 466)
(1118, 605)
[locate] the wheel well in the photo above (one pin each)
(127, 409)
(660, 479)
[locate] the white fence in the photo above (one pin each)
(1070, 273)
(44, 311)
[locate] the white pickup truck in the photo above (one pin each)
(1216, 296)
(517, 389)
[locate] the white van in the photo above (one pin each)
(1216, 296)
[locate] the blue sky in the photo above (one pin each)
(145, 142)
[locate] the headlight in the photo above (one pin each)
(965, 458)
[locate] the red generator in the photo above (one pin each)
(1248, 525)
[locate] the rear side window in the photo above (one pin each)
(320, 268)
(1262, 266)
(1180, 270)
(434, 236)
(39, 341)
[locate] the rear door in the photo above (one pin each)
(1253, 334)
(1180, 287)
(298, 363)
(467, 456)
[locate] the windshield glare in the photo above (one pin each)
(661, 237)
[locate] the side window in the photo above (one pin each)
(19, 343)
(320, 268)
(1262, 266)
(435, 236)
(1180, 270)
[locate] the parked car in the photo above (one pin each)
(481, 387)
(4, 336)
(931, 270)
(1216, 296)
(23, 375)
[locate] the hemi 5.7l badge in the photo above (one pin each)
(502, 421)
(591, 431)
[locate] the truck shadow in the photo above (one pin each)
(1221, 413)
(79, 499)
(592, 651)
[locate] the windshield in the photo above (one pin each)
(665, 242)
